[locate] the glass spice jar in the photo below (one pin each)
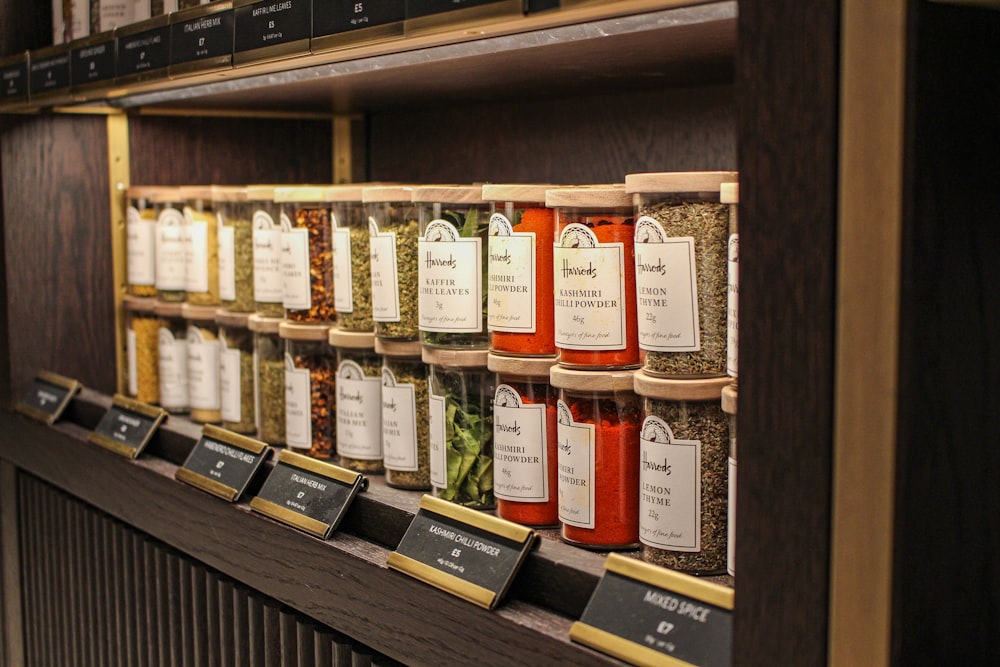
(306, 254)
(519, 293)
(204, 397)
(235, 248)
(268, 282)
(393, 230)
(594, 277)
(451, 251)
(171, 266)
(236, 372)
(524, 440)
(310, 372)
(142, 332)
(681, 240)
(359, 401)
(729, 399)
(683, 480)
(201, 246)
(269, 382)
(729, 193)
(352, 277)
(140, 237)
(460, 420)
(405, 426)
(172, 356)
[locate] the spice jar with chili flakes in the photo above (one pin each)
(359, 401)
(460, 419)
(519, 294)
(451, 266)
(236, 372)
(142, 330)
(269, 378)
(310, 372)
(598, 439)
(352, 278)
(171, 263)
(729, 400)
(684, 459)
(171, 351)
(405, 425)
(393, 230)
(201, 246)
(204, 397)
(268, 281)
(681, 241)
(140, 236)
(594, 277)
(235, 232)
(306, 254)
(524, 440)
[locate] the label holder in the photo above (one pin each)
(131, 444)
(43, 408)
(201, 463)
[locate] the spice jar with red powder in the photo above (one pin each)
(519, 270)
(524, 440)
(598, 457)
(594, 277)
(310, 383)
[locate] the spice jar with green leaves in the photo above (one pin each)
(352, 277)
(405, 426)
(359, 401)
(393, 230)
(236, 376)
(269, 374)
(268, 282)
(235, 248)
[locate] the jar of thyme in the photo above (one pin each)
(729, 193)
(405, 426)
(201, 247)
(268, 282)
(393, 230)
(729, 399)
(269, 374)
(235, 248)
(140, 230)
(172, 356)
(310, 386)
(352, 277)
(142, 330)
(359, 401)
(684, 487)
(204, 397)
(171, 265)
(236, 372)
(306, 254)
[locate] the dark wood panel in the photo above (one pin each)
(24, 25)
(592, 139)
(787, 64)
(946, 585)
(5, 378)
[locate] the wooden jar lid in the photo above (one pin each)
(680, 390)
(315, 194)
(199, 313)
(729, 193)
(580, 380)
(169, 308)
(262, 324)
(729, 396)
(448, 194)
(516, 192)
(230, 318)
(398, 348)
(679, 181)
(355, 340)
(297, 331)
(387, 193)
(524, 366)
(589, 196)
(139, 304)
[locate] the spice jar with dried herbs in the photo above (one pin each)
(172, 356)
(268, 282)
(310, 385)
(393, 230)
(359, 401)
(236, 373)
(451, 268)
(598, 439)
(684, 486)
(140, 237)
(594, 277)
(519, 294)
(306, 254)
(729, 399)
(524, 440)
(681, 241)
(201, 246)
(171, 265)
(204, 397)
(352, 277)
(460, 419)
(269, 374)
(142, 332)
(405, 425)
(729, 193)
(235, 248)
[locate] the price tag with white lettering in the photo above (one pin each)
(47, 397)
(308, 494)
(648, 615)
(467, 553)
(223, 463)
(127, 427)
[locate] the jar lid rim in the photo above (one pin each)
(592, 380)
(678, 181)
(454, 357)
(673, 389)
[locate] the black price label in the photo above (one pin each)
(14, 80)
(49, 74)
(308, 494)
(647, 615)
(205, 37)
(47, 397)
(345, 15)
(472, 555)
(93, 63)
(144, 52)
(278, 22)
(418, 8)
(223, 463)
(127, 427)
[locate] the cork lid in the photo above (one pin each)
(167, 194)
(516, 192)
(264, 324)
(680, 390)
(296, 331)
(568, 378)
(301, 193)
(346, 192)
(523, 366)
(169, 309)
(598, 196)
(236, 193)
(139, 304)
(199, 313)
(448, 194)
(230, 318)
(730, 193)
(729, 395)
(455, 358)
(398, 348)
(354, 340)
(387, 193)
(258, 192)
(142, 191)
(679, 181)
(192, 192)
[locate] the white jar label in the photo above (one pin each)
(173, 370)
(130, 355)
(385, 274)
(295, 268)
(589, 291)
(196, 255)
(733, 310)
(203, 370)
(669, 488)
(520, 451)
(666, 290)
(268, 282)
(731, 520)
(298, 412)
(170, 250)
(576, 470)
(511, 301)
(359, 404)
(343, 282)
(230, 383)
(399, 423)
(450, 278)
(227, 262)
(436, 439)
(141, 248)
